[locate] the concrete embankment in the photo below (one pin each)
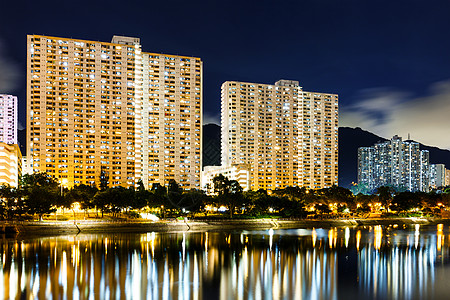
(56, 228)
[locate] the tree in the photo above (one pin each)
(11, 202)
(228, 192)
(83, 194)
(337, 194)
(256, 202)
(101, 201)
(114, 199)
(174, 193)
(141, 196)
(405, 201)
(193, 200)
(385, 195)
(293, 193)
(158, 195)
(290, 201)
(40, 192)
(364, 202)
(360, 188)
(122, 198)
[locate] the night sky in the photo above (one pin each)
(389, 61)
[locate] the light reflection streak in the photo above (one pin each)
(347, 236)
(314, 237)
(358, 239)
(440, 237)
(243, 266)
(378, 235)
(416, 235)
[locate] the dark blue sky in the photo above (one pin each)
(344, 47)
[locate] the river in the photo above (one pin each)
(371, 262)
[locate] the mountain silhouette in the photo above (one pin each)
(350, 139)
(211, 145)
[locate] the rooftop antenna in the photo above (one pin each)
(409, 136)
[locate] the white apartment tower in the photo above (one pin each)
(394, 163)
(437, 175)
(98, 108)
(8, 119)
(287, 136)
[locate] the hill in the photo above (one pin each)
(211, 145)
(350, 139)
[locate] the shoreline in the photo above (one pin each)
(49, 228)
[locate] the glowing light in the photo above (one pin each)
(416, 235)
(358, 239)
(270, 238)
(440, 237)
(222, 209)
(378, 235)
(150, 217)
(314, 237)
(347, 236)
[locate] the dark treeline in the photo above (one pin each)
(39, 194)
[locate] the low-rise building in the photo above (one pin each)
(238, 172)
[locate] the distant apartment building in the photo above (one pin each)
(287, 136)
(437, 175)
(447, 177)
(108, 109)
(8, 119)
(10, 164)
(395, 163)
(10, 156)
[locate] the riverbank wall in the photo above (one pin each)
(46, 228)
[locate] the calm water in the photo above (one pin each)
(372, 263)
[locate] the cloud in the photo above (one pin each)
(209, 118)
(387, 112)
(9, 73)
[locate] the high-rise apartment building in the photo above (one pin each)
(437, 175)
(10, 164)
(108, 109)
(287, 136)
(394, 163)
(8, 119)
(447, 177)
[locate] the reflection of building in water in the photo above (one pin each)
(168, 266)
(404, 271)
(278, 274)
(296, 264)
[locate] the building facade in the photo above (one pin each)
(394, 163)
(287, 136)
(447, 177)
(240, 173)
(108, 109)
(10, 164)
(437, 175)
(8, 119)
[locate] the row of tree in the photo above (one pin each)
(39, 194)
